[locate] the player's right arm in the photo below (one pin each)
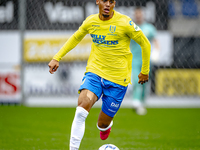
(69, 45)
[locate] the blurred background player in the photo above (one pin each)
(140, 91)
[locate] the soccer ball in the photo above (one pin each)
(108, 147)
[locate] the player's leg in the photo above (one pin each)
(145, 92)
(104, 125)
(85, 102)
(138, 91)
(147, 86)
(104, 120)
(113, 95)
(87, 99)
(137, 88)
(139, 105)
(90, 93)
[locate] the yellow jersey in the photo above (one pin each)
(110, 56)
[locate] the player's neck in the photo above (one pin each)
(104, 18)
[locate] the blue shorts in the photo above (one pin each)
(112, 93)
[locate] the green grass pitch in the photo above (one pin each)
(25, 128)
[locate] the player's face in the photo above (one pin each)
(139, 16)
(106, 8)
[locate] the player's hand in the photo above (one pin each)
(143, 78)
(53, 66)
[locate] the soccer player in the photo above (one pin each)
(108, 70)
(139, 91)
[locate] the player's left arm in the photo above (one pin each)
(145, 45)
(138, 36)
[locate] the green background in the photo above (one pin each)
(27, 128)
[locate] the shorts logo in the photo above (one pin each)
(114, 105)
(112, 29)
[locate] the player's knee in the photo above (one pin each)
(86, 99)
(85, 103)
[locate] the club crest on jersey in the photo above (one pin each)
(112, 29)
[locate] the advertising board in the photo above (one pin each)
(37, 49)
(178, 82)
(10, 86)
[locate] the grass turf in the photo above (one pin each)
(24, 128)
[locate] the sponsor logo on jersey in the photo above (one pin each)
(112, 29)
(114, 105)
(100, 39)
(136, 27)
(131, 23)
(95, 25)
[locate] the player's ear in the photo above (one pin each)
(97, 2)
